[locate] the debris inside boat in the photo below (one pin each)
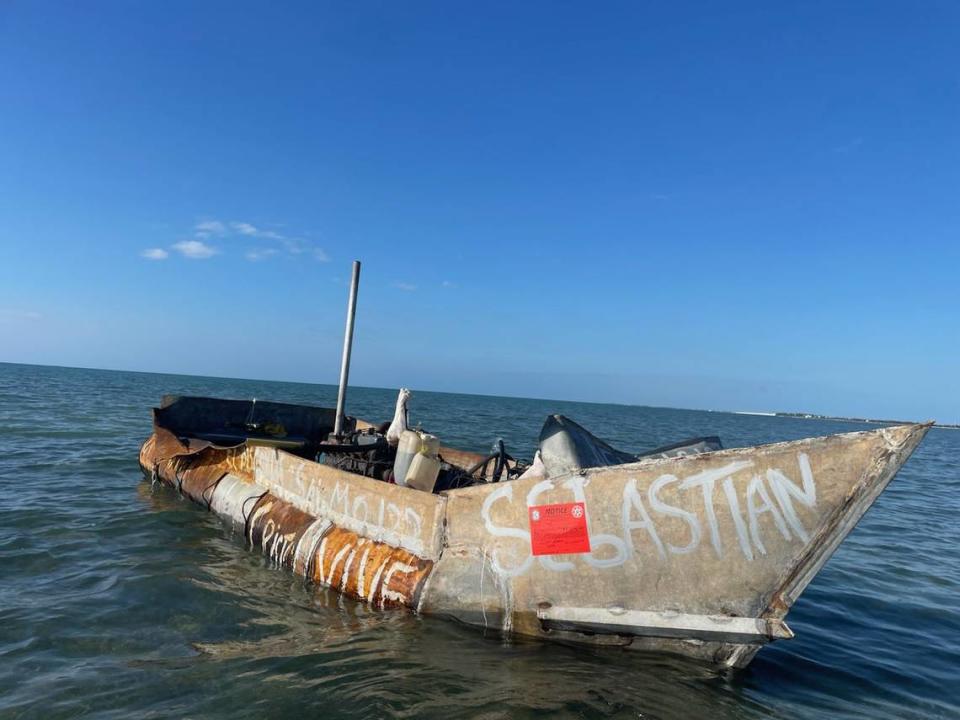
(690, 548)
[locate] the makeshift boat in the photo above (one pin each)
(689, 549)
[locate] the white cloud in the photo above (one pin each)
(293, 246)
(260, 254)
(406, 287)
(244, 228)
(194, 249)
(209, 227)
(206, 229)
(448, 284)
(251, 230)
(155, 254)
(296, 246)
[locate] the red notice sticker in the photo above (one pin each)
(559, 529)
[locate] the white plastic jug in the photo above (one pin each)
(407, 447)
(429, 445)
(423, 472)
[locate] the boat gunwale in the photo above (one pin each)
(647, 463)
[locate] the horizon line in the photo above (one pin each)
(792, 414)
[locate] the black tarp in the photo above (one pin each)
(567, 447)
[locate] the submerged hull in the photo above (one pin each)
(701, 555)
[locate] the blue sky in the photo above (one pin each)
(727, 206)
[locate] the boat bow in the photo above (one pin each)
(709, 551)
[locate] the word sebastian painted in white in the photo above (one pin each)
(771, 493)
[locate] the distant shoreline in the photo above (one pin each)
(813, 416)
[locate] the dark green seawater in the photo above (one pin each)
(118, 599)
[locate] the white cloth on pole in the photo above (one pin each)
(399, 423)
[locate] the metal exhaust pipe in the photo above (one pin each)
(347, 346)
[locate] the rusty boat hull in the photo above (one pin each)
(701, 555)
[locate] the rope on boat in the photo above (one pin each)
(243, 511)
(176, 476)
(211, 486)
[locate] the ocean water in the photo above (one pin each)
(120, 599)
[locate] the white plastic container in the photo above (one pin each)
(429, 445)
(414, 444)
(407, 447)
(423, 472)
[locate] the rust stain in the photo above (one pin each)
(353, 565)
(777, 607)
(368, 570)
(277, 527)
(193, 470)
(198, 475)
(148, 452)
(239, 461)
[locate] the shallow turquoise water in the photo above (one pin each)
(118, 599)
